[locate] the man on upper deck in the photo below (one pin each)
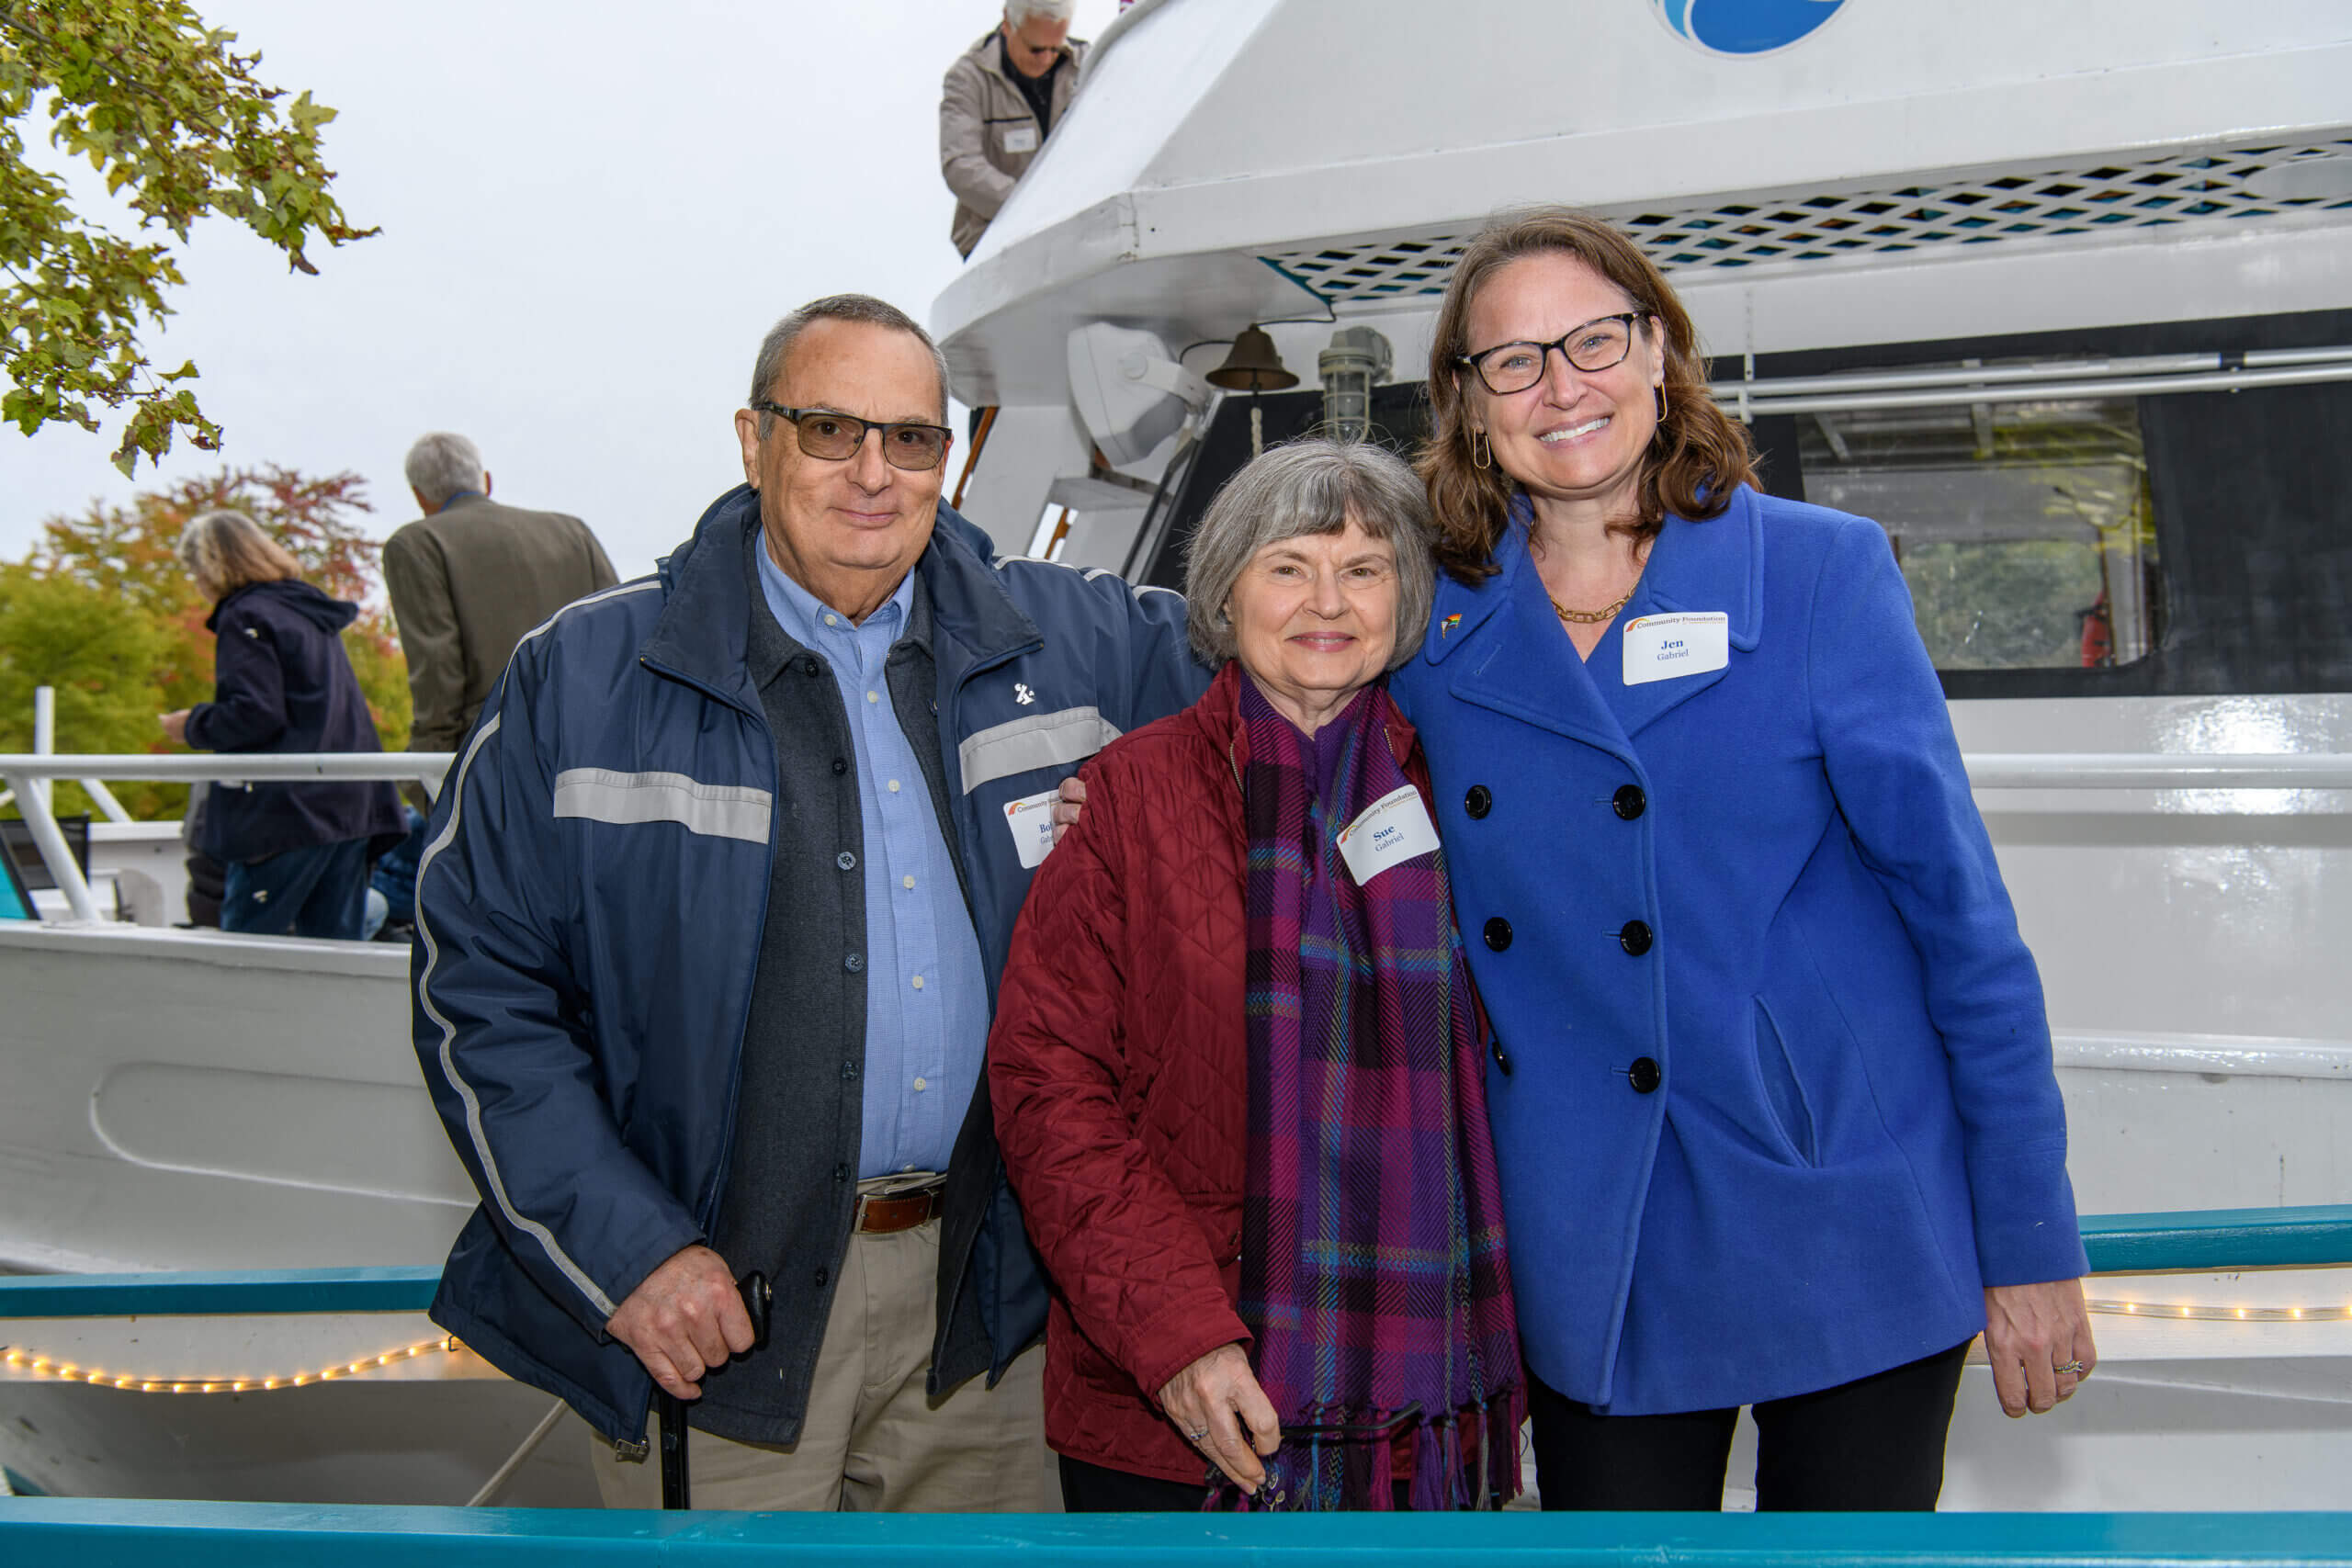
(1000, 101)
(708, 937)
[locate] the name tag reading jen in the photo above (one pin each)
(1031, 821)
(1020, 138)
(1395, 828)
(1659, 648)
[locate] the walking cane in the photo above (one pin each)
(757, 1298)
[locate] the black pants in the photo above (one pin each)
(1873, 1444)
(1096, 1489)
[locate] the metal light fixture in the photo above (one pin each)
(1252, 365)
(1358, 360)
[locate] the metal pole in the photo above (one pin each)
(53, 852)
(105, 799)
(44, 732)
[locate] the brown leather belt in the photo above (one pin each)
(883, 1213)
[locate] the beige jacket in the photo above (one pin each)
(987, 133)
(465, 583)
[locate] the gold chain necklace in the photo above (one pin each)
(1596, 617)
(1604, 615)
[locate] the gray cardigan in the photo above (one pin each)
(790, 1192)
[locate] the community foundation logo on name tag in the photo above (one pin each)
(1395, 828)
(1660, 648)
(1032, 820)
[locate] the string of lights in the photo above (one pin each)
(44, 1366)
(2197, 1311)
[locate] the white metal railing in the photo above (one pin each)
(29, 774)
(2137, 375)
(2159, 769)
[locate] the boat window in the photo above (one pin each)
(2026, 531)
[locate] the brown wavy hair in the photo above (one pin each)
(1697, 456)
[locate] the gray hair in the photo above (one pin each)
(226, 550)
(1019, 11)
(441, 464)
(776, 346)
(1311, 486)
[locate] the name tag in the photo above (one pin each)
(1031, 821)
(1395, 828)
(1020, 139)
(1659, 648)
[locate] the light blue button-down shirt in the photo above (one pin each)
(926, 994)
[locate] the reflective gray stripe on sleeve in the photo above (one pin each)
(1040, 741)
(474, 1133)
(717, 811)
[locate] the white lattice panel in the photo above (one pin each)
(2203, 189)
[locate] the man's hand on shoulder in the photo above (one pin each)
(685, 1317)
(1072, 791)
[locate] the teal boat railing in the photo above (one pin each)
(36, 1532)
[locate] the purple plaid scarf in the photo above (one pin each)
(1373, 1272)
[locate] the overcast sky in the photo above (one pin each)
(590, 212)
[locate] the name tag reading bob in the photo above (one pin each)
(1032, 820)
(1395, 828)
(1659, 648)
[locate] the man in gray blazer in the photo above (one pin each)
(1000, 101)
(469, 579)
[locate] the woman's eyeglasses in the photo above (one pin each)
(1599, 344)
(835, 437)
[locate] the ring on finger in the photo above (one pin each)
(2075, 1367)
(1196, 1437)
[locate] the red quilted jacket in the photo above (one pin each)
(1119, 1067)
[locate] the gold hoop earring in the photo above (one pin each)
(1661, 403)
(1482, 453)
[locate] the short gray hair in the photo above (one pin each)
(776, 346)
(441, 464)
(1019, 11)
(1312, 486)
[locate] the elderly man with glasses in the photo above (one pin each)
(709, 928)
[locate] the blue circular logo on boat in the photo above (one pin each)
(1747, 27)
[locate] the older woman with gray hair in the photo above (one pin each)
(1237, 1063)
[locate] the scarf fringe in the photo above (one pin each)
(1330, 1476)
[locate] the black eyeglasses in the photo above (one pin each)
(1513, 368)
(835, 437)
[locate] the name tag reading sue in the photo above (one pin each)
(1020, 139)
(1031, 821)
(1395, 828)
(1659, 648)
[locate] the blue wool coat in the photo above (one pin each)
(1772, 1095)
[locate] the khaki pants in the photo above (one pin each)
(873, 1440)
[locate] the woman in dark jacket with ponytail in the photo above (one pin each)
(297, 853)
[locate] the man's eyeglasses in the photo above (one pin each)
(1599, 344)
(835, 437)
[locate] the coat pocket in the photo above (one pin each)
(1784, 1097)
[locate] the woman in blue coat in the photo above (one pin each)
(297, 853)
(1771, 1089)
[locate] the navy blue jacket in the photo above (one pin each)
(1781, 1099)
(282, 682)
(583, 989)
